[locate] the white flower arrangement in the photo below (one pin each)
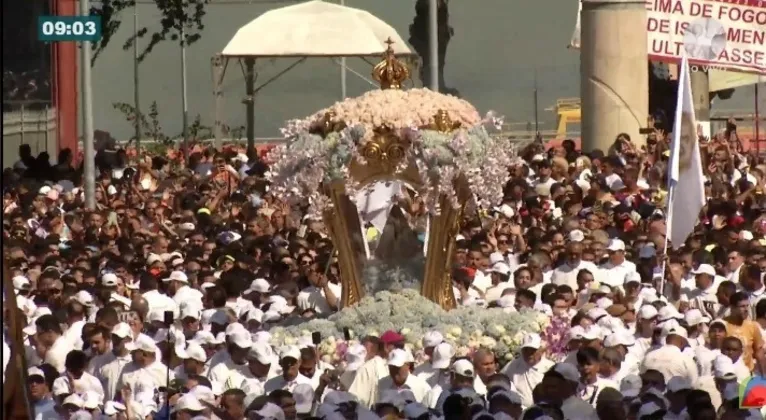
(300, 168)
(466, 328)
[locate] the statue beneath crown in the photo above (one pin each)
(392, 172)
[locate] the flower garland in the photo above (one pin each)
(466, 328)
(308, 162)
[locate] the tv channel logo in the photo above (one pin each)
(752, 392)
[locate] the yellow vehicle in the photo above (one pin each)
(567, 112)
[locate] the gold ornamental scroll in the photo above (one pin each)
(437, 284)
(343, 224)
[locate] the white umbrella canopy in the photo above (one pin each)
(315, 29)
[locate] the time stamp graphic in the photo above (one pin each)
(69, 28)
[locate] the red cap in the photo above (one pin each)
(391, 337)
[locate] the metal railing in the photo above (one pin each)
(28, 122)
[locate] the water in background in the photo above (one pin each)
(497, 48)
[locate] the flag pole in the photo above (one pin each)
(668, 222)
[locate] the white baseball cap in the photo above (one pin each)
(647, 312)
(83, 298)
(304, 398)
(694, 317)
(669, 312)
(620, 338)
(262, 352)
(674, 329)
(615, 245)
(142, 343)
(259, 285)
(255, 314)
(442, 356)
(188, 402)
(234, 328)
(630, 386)
(576, 236)
(432, 338)
(241, 339)
(75, 400)
(21, 282)
(193, 351)
(723, 367)
(398, 358)
(597, 313)
(532, 341)
(568, 371)
(501, 268)
(190, 309)
(290, 351)
(576, 333)
(121, 330)
(678, 383)
(153, 258)
(177, 276)
(463, 367)
(593, 332)
(704, 269)
(109, 279)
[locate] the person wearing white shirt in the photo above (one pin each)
(232, 369)
(114, 363)
(400, 377)
(365, 384)
(50, 342)
(567, 273)
(156, 300)
(40, 394)
(309, 364)
(289, 360)
(703, 297)
(194, 361)
(433, 371)
(706, 354)
(76, 320)
(499, 274)
(677, 389)
(732, 348)
(260, 361)
(645, 325)
(527, 371)
(322, 296)
(735, 262)
(618, 268)
(146, 368)
(77, 380)
(591, 384)
(178, 288)
(462, 376)
(622, 341)
(669, 359)
(563, 380)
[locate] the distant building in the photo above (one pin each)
(39, 82)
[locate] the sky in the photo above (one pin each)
(498, 50)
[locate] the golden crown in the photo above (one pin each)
(390, 73)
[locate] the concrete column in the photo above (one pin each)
(614, 78)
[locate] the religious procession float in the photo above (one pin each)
(393, 173)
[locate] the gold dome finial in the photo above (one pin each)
(390, 72)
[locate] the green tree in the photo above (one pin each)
(181, 21)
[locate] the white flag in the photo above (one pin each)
(687, 185)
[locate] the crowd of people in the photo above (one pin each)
(158, 303)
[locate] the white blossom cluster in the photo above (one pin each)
(467, 328)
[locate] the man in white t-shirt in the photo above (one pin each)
(50, 342)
